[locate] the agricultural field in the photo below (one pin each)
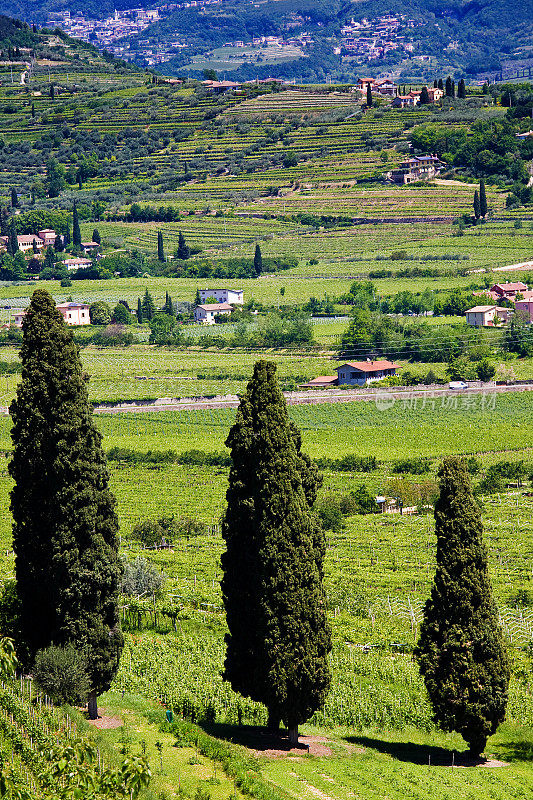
(301, 172)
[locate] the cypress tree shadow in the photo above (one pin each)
(413, 753)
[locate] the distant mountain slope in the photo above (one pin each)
(462, 36)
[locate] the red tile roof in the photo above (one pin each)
(369, 366)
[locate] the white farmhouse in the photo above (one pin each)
(207, 313)
(232, 296)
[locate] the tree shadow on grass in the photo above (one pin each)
(253, 737)
(418, 753)
(520, 750)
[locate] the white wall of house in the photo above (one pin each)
(235, 296)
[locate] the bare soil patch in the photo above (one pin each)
(105, 723)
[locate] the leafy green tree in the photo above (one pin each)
(483, 208)
(258, 261)
(477, 205)
(485, 370)
(76, 233)
(148, 306)
(356, 341)
(55, 178)
(160, 249)
(12, 240)
(278, 638)
(461, 652)
(49, 258)
(61, 672)
(65, 531)
(183, 251)
(121, 315)
(99, 313)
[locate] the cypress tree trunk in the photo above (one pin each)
(461, 652)
(65, 532)
(293, 735)
(279, 637)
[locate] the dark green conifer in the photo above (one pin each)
(279, 637)
(461, 652)
(448, 90)
(258, 261)
(160, 249)
(139, 311)
(14, 198)
(96, 236)
(424, 96)
(483, 199)
(183, 250)
(477, 205)
(65, 531)
(49, 261)
(461, 89)
(76, 233)
(12, 240)
(440, 84)
(368, 96)
(168, 308)
(148, 306)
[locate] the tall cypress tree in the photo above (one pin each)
(12, 240)
(65, 531)
(461, 652)
(279, 637)
(139, 311)
(448, 90)
(258, 261)
(14, 198)
(461, 89)
(76, 233)
(477, 205)
(160, 249)
(424, 96)
(483, 199)
(368, 96)
(183, 250)
(148, 306)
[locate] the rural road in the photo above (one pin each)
(384, 398)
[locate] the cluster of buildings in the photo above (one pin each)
(220, 305)
(416, 168)
(300, 40)
(373, 39)
(72, 313)
(38, 242)
(385, 87)
(493, 314)
(110, 33)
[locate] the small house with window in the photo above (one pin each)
(359, 373)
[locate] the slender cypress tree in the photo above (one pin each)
(258, 261)
(448, 89)
(368, 96)
(168, 308)
(461, 652)
(424, 96)
(96, 236)
(160, 249)
(483, 199)
(477, 205)
(12, 240)
(148, 306)
(461, 89)
(76, 233)
(14, 198)
(279, 637)
(65, 532)
(183, 250)
(440, 84)
(139, 311)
